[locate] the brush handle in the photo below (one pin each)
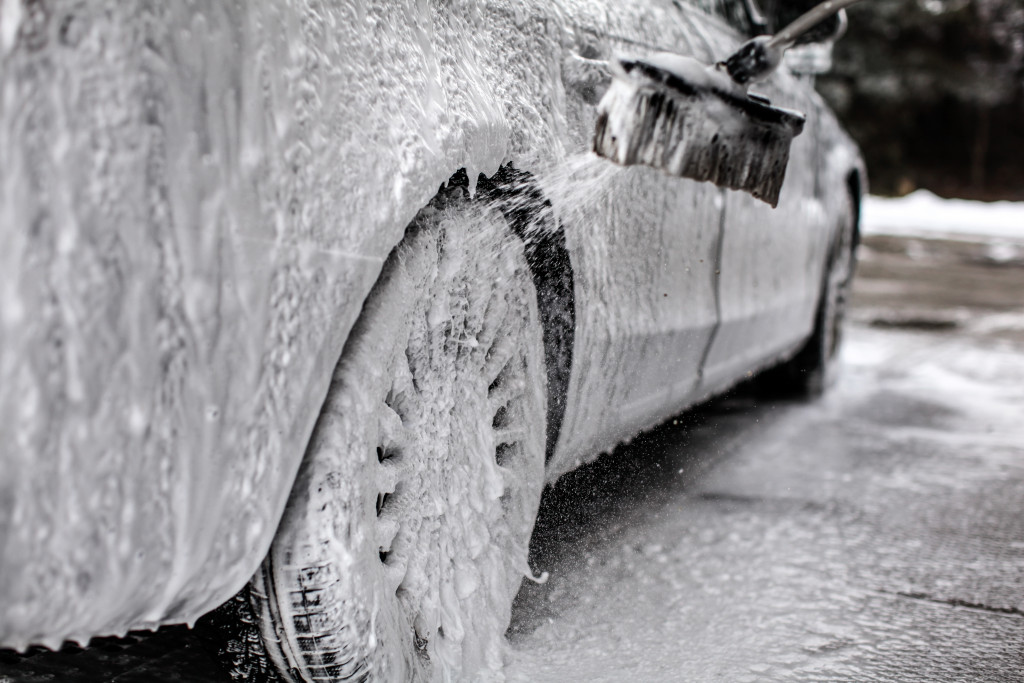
(784, 38)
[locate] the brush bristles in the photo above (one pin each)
(702, 136)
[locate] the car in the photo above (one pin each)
(304, 303)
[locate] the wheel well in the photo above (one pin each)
(529, 213)
(855, 186)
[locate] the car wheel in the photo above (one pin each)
(813, 369)
(405, 537)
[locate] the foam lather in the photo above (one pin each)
(695, 128)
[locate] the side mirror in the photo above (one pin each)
(812, 59)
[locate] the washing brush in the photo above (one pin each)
(691, 120)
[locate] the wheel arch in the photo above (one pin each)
(855, 186)
(529, 213)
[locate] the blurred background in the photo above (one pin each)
(933, 90)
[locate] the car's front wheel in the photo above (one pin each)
(405, 538)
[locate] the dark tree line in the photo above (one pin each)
(934, 92)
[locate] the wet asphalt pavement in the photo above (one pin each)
(875, 535)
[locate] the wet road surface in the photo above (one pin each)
(875, 535)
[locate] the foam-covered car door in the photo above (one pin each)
(642, 245)
(770, 266)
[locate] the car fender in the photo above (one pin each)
(196, 199)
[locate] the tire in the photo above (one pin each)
(814, 368)
(405, 537)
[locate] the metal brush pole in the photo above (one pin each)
(759, 57)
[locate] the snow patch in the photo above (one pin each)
(922, 213)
